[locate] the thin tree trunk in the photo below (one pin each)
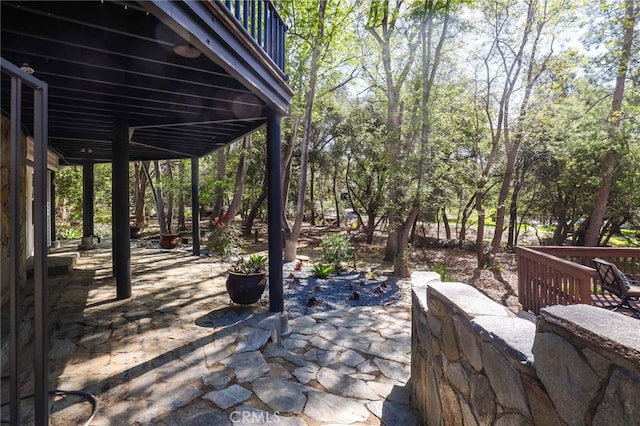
(181, 196)
(140, 190)
(241, 174)
(468, 208)
(336, 199)
(608, 165)
(445, 222)
(251, 216)
(286, 171)
(170, 198)
(291, 236)
(222, 155)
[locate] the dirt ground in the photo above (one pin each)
(500, 286)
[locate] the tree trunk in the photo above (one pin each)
(140, 191)
(241, 174)
(286, 170)
(336, 199)
(513, 218)
(468, 208)
(291, 235)
(312, 199)
(222, 155)
(157, 196)
(251, 216)
(445, 222)
(170, 198)
(181, 196)
(481, 255)
(608, 165)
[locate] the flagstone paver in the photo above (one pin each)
(178, 354)
(228, 397)
(328, 408)
(281, 395)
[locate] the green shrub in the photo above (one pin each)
(71, 233)
(336, 249)
(445, 274)
(321, 270)
(225, 242)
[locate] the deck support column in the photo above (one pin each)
(195, 204)
(120, 211)
(88, 201)
(274, 215)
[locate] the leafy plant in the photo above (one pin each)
(321, 270)
(445, 273)
(336, 248)
(70, 233)
(102, 230)
(255, 264)
(225, 241)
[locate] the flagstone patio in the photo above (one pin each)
(178, 354)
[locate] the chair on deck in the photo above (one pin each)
(616, 282)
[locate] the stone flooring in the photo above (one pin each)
(178, 354)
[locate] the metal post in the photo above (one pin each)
(40, 294)
(274, 217)
(52, 216)
(88, 198)
(195, 204)
(15, 253)
(120, 210)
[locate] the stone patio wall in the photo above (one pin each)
(5, 151)
(474, 362)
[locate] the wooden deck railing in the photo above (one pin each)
(563, 275)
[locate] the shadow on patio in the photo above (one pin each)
(178, 353)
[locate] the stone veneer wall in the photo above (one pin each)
(26, 329)
(5, 160)
(474, 362)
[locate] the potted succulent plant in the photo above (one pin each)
(247, 276)
(247, 279)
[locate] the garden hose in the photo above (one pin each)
(59, 392)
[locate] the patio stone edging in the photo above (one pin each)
(473, 359)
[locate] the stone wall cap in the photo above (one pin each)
(468, 299)
(422, 278)
(514, 335)
(610, 329)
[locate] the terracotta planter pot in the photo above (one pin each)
(134, 232)
(168, 241)
(246, 289)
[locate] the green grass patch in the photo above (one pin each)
(626, 239)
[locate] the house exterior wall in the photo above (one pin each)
(5, 213)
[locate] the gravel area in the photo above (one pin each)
(305, 294)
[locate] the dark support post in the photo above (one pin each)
(52, 215)
(88, 198)
(15, 254)
(40, 293)
(274, 208)
(195, 204)
(120, 211)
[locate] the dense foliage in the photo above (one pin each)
(469, 114)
